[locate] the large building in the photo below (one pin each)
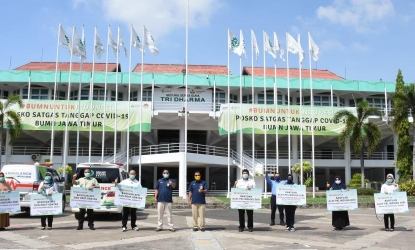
(212, 94)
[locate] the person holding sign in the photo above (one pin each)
(274, 183)
(4, 187)
(339, 219)
(290, 209)
(389, 187)
(163, 195)
(47, 187)
(90, 183)
(132, 181)
(197, 191)
(248, 184)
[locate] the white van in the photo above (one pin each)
(26, 178)
(105, 173)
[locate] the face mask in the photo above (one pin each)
(389, 180)
(245, 176)
(197, 178)
(338, 182)
(277, 178)
(166, 176)
(87, 175)
(48, 178)
(132, 177)
(1, 179)
(290, 181)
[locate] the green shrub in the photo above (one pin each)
(309, 182)
(408, 186)
(356, 180)
(365, 191)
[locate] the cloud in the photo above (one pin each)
(362, 15)
(161, 17)
(328, 45)
(360, 47)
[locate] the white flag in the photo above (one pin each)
(268, 46)
(135, 40)
(98, 46)
(121, 43)
(79, 48)
(294, 47)
(112, 42)
(233, 43)
(254, 45)
(278, 47)
(64, 39)
(149, 42)
(313, 47)
(241, 44)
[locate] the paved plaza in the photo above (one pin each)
(314, 231)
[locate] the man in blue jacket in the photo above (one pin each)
(274, 183)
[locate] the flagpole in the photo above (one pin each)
(141, 105)
(105, 94)
(276, 107)
(289, 110)
(241, 138)
(66, 139)
(79, 99)
(252, 103)
(312, 117)
(266, 125)
(186, 102)
(229, 135)
(301, 116)
(52, 136)
(129, 100)
(116, 97)
(91, 94)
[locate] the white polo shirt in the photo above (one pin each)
(242, 183)
(129, 182)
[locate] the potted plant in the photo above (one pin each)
(307, 169)
(68, 171)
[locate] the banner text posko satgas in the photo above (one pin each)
(279, 120)
(42, 114)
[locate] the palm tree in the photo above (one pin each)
(404, 101)
(9, 120)
(362, 133)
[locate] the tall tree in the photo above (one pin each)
(403, 102)
(362, 133)
(9, 121)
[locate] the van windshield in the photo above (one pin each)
(103, 175)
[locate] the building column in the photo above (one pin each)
(395, 155)
(123, 142)
(294, 154)
(182, 166)
(347, 159)
(7, 150)
(155, 177)
(327, 175)
(207, 179)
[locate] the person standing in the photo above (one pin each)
(47, 187)
(163, 195)
(290, 209)
(389, 187)
(339, 219)
(90, 183)
(197, 200)
(133, 182)
(274, 183)
(4, 187)
(245, 183)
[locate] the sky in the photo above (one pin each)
(366, 40)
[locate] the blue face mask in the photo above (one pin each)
(245, 176)
(1, 179)
(87, 175)
(48, 178)
(277, 179)
(166, 176)
(389, 180)
(132, 177)
(290, 181)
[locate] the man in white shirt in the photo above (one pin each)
(131, 181)
(245, 183)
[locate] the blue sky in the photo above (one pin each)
(360, 40)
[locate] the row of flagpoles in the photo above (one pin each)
(274, 49)
(76, 46)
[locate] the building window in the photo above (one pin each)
(4, 94)
(352, 104)
(321, 100)
(147, 95)
(247, 99)
(36, 93)
(233, 98)
(113, 96)
(270, 98)
(376, 102)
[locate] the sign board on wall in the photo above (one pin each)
(171, 98)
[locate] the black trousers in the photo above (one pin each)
(90, 213)
(386, 220)
(290, 215)
(43, 220)
(274, 207)
(125, 212)
(250, 214)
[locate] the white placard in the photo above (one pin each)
(84, 198)
(341, 200)
(393, 203)
(291, 195)
(42, 204)
(129, 196)
(9, 202)
(246, 199)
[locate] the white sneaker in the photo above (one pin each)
(292, 229)
(124, 229)
(135, 228)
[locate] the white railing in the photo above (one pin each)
(324, 155)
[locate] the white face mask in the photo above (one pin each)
(338, 182)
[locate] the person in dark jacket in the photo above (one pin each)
(290, 209)
(339, 219)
